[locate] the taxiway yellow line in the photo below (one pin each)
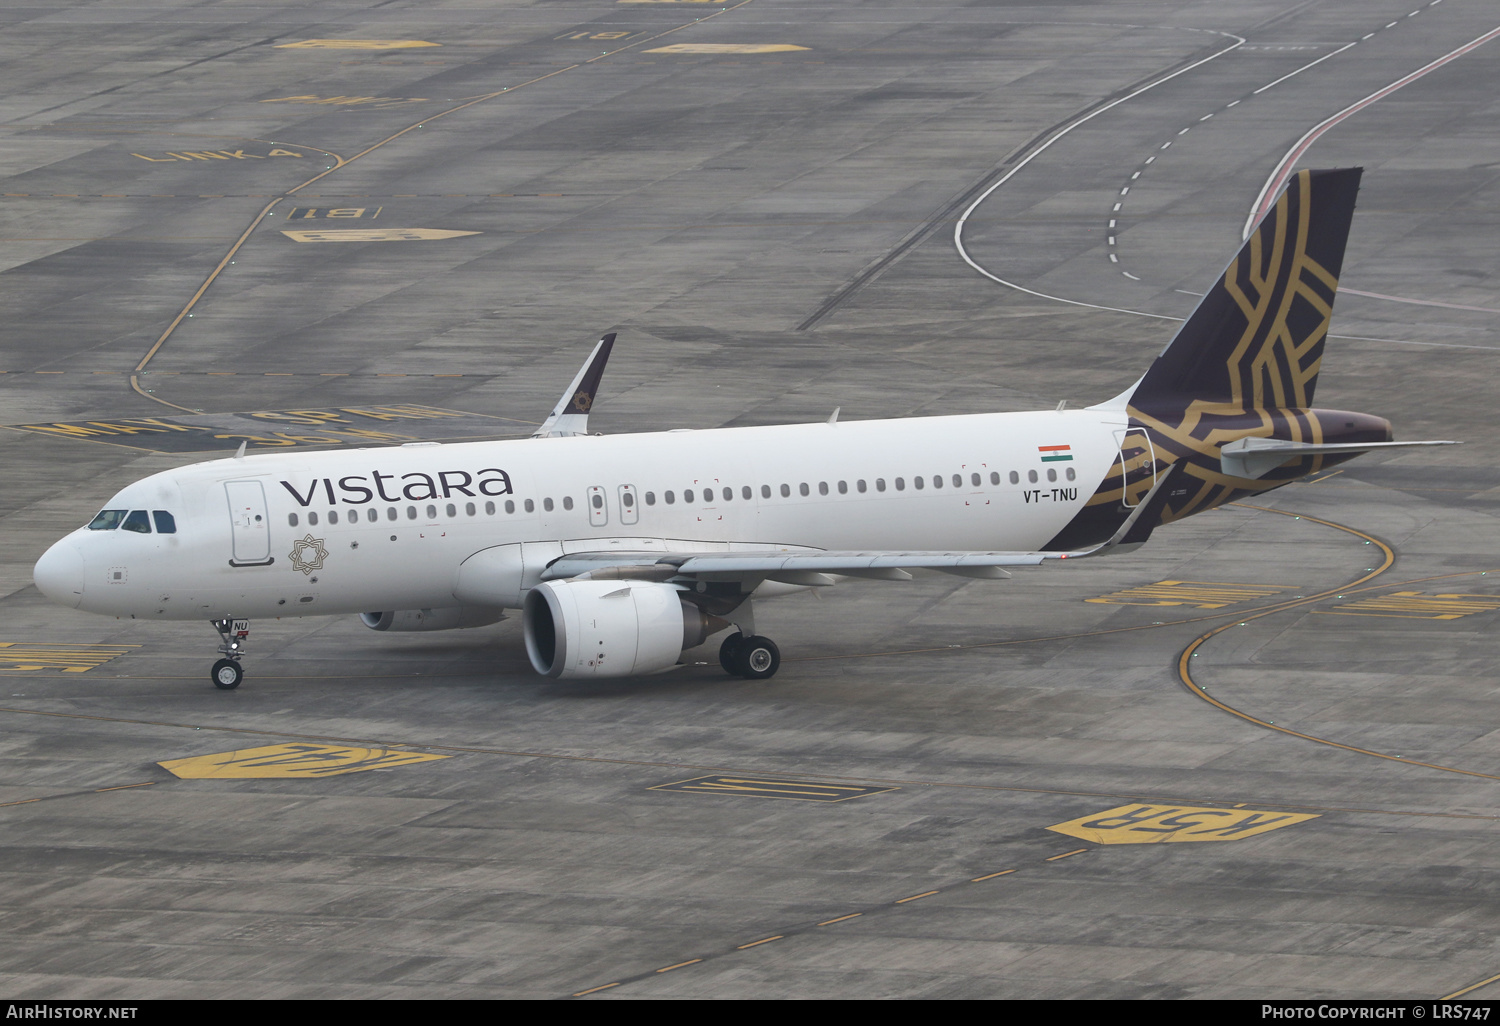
(1470, 988)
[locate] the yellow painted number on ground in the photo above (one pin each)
(292, 760)
(1413, 605)
(1154, 824)
(1198, 594)
(68, 658)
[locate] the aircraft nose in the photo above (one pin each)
(59, 574)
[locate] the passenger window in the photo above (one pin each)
(1031, 476)
(786, 491)
(333, 516)
(843, 487)
(390, 513)
(411, 512)
(452, 510)
(880, 484)
(802, 488)
(746, 493)
(372, 514)
(651, 498)
(312, 520)
(489, 509)
(510, 506)
(687, 495)
(431, 512)
(670, 497)
(1051, 474)
(137, 522)
(469, 508)
(567, 502)
(900, 484)
(937, 480)
(597, 500)
(1015, 478)
(860, 485)
(291, 519)
(994, 477)
(1071, 473)
(917, 482)
(765, 491)
(530, 506)
(728, 494)
(822, 487)
(547, 505)
(958, 480)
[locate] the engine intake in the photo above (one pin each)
(590, 628)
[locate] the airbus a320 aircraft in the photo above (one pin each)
(624, 551)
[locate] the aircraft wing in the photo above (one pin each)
(814, 567)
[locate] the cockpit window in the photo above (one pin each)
(165, 522)
(137, 522)
(107, 520)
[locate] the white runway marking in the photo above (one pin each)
(1320, 60)
(1418, 302)
(1283, 168)
(958, 228)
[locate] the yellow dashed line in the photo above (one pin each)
(765, 940)
(595, 990)
(840, 919)
(679, 965)
(980, 879)
(1075, 851)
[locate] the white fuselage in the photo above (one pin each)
(349, 531)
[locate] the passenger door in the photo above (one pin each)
(249, 523)
(1137, 465)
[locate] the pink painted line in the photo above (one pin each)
(1283, 170)
(1419, 302)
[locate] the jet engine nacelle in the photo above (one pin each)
(442, 619)
(615, 628)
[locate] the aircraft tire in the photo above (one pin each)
(758, 658)
(226, 675)
(729, 654)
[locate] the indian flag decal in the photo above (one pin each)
(1055, 453)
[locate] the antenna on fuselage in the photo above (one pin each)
(239, 453)
(571, 414)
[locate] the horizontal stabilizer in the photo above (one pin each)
(1254, 458)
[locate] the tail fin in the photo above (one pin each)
(1256, 339)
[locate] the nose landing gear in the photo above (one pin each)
(227, 672)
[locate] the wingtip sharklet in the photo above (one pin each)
(571, 414)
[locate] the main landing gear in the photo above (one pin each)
(227, 672)
(754, 658)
